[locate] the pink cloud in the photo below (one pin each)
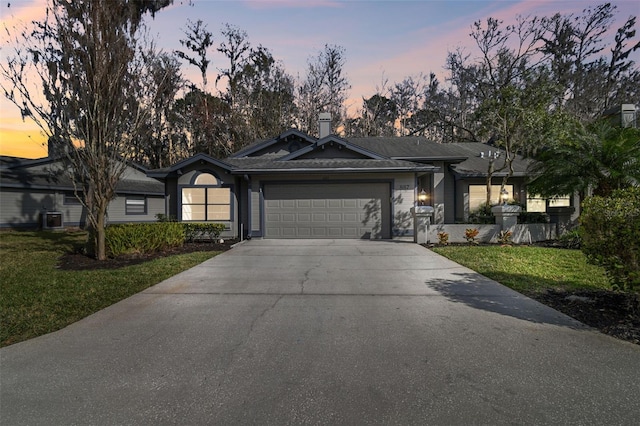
(292, 4)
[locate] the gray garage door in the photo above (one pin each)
(327, 210)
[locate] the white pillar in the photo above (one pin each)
(421, 221)
(506, 215)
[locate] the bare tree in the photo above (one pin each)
(161, 143)
(324, 89)
(588, 81)
(85, 54)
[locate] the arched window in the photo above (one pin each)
(205, 200)
(205, 179)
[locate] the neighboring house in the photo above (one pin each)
(297, 186)
(33, 190)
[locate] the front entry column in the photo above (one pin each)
(421, 221)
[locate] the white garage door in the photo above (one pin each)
(327, 210)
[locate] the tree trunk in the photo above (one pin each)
(100, 236)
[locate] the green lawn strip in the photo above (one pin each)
(37, 298)
(529, 269)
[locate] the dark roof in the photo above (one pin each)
(162, 173)
(466, 159)
(477, 162)
(332, 139)
(387, 154)
(22, 176)
(258, 145)
(262, 165)
(411, 147)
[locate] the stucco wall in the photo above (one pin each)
(521, 233)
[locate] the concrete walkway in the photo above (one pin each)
(322, 332)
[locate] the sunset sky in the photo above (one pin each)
(390, 39)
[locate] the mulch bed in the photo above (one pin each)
(78, 261)
(611, 312)
(614, 313)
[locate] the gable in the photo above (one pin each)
(281, 147)
(333, 147)
(333, 151)
(286, 143)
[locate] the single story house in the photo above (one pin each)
(37, 193)
(298, 186)
(290, 186)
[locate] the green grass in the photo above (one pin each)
(529, 269)
(37, 298)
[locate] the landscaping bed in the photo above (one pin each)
(614, 313)
(77, 261)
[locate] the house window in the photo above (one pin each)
(478, 195)
(135, 204)
(537, 204)
(70, 199)
(206, 200)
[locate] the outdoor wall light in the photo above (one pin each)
(422, 197)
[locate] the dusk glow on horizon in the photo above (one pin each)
(382, 39)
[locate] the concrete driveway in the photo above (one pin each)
(323, 332)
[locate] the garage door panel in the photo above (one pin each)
(327, 210)
(335, 217)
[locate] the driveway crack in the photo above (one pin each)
(305, 278)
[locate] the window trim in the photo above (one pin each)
(220, 185)
(70, 199)
(129, 198)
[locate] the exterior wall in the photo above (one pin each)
(116, 213)
(256, 208)
(521, 234)
(24, 209)
(403, 196)
(438, 193)
(449, 198)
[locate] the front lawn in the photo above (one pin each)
(529, 269)
(37, 297)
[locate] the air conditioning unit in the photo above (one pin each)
(52, 220)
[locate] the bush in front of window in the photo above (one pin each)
(533, 217)
(137, 238)
(201, 231)
(482, 215)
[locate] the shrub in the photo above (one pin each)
(505, 237)
(165, 218)
(443, 238)
(471, 235)
(610, 231)
(570, 239)
(195, 231)
(482, 215)
(142, 237)
(533, 217)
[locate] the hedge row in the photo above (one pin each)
(149, 237)
(143, 237)
(610, 231)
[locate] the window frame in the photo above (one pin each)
(128, 205)
(206, 204)
(70, 199)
